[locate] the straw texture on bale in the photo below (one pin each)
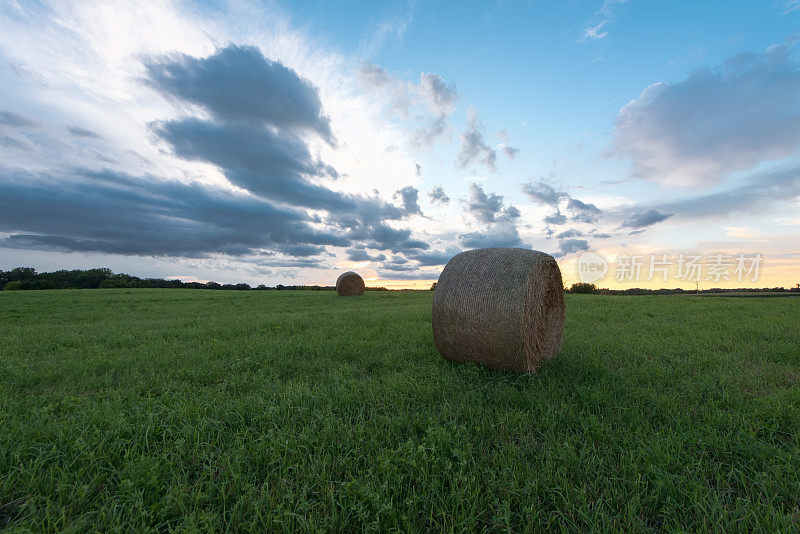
(502, 307)
(349, 284)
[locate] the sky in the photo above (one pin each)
(283, 143)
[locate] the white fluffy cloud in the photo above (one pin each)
(717, 121)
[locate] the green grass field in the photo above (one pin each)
(282, 410)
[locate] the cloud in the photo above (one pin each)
(432, 100)
(373, 76)
(762, 191)
(426, 135)
(502, 234)
(573, 232)
(359, 253)
(501, 229)
(790, 6)
(301, 250)
(438, 196)
(434, 257)
(606, 13)
(583, 212)
(645, 219)
(474, 148)
(555, 218)
(716, 121)
(17, 142)
(410, 197)
(263, 152)
(510, 151)
(16, 120)
(385, 237)
(568, 246)
(238, 83)
(117, 213)
(543, 193)
(82, 132)
(272, 164)
(410, 275)
(484, 206)
(398, 263)
(595, 32)
(440, 96)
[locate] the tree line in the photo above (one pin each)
(26, 278)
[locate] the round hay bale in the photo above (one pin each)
(349, 284)
(502, 307)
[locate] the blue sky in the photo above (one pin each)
(284, 142)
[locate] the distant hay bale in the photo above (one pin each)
(502, 307)
(349, 284)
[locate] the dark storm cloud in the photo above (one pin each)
(438, 196)
(274, 166)
(716, 121)
(255, 141)
(253, 157)
(238, 83)
(645, 219)
(258, 115)
(117, 213)
(410, 197)
(83, 132)
(16, 120)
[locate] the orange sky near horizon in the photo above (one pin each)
(773, 272)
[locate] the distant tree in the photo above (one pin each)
(242, 287)
(433, 286)
(583, 287)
